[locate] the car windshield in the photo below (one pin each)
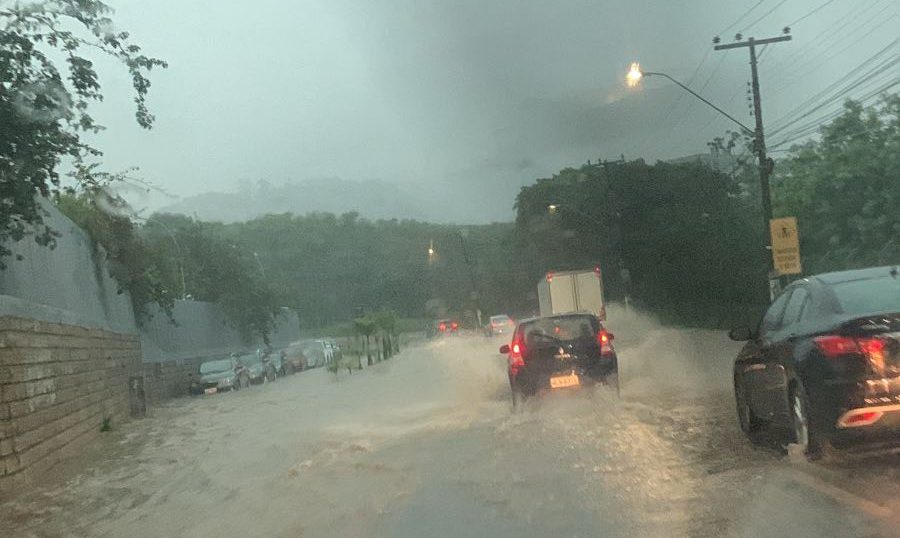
(216, 366)
(868, 296)
(359, 184)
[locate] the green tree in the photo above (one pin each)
(44, 106)
(216, 270)
(137, 266)
(365, 327)
(844, 189)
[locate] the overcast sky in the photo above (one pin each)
(463, 100)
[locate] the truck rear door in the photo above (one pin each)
(562, 294)
(589, 293)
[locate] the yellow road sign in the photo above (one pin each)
(785, 246)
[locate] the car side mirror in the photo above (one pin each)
(504, 349)
(740, 334)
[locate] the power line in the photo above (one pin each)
(819, 64)
(739, 19)
(811, 13)
(834, 29)
(862, 77)
(764, 15)
(814, 126)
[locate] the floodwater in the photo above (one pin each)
(426, 444)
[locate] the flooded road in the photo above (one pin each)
(426, 444)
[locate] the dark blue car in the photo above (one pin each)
(823, 367)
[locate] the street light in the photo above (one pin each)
(635, 75)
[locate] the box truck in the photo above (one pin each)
(572, 291)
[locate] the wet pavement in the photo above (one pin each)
(426, 444)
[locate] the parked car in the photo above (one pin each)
(499, 324)
(293, 359)
(560, 352)
(271, 358)
(317, 352)
(220, 374)
(259, 371)
(823, 366)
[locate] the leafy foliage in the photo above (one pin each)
(844, 189)
(215, 270)
(44, 105)
(674, 236)
(137, 266)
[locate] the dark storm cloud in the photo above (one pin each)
(462, 102)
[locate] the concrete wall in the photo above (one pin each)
(57, 385)
(66, 279)
(70, 350)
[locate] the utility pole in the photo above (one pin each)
(766, 164)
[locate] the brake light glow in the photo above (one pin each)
(454, 325)
(516, 360)
(833, 346)
(442, 327)
(549, 277)
(604, 340)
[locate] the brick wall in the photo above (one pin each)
(57, 385)
(170, 379)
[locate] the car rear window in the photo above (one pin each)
(560, 329)
(869, 296)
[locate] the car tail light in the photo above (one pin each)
(604, 340)
(549, 277)
(454, 325)
(833, 346)
(442, 327)
(516, 359)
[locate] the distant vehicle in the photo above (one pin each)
(220, 374)
(444, 327)
(293, 359)
(271, 358)
(572, 291)
(560, 352)
(259, 371)
(824, 362)
(499, 324)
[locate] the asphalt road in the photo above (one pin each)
(426, 444)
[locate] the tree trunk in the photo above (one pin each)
(368, 352)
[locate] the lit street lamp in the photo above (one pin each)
(635, 75)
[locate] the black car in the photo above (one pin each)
(221, 374)
(824, 364)
(559, 352)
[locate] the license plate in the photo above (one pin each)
(560, 381)
(211, 390)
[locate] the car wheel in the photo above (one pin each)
(747, 420)
(243, 382)
(288, 368)
(270, 375)
(804, 433)
(517, 396)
